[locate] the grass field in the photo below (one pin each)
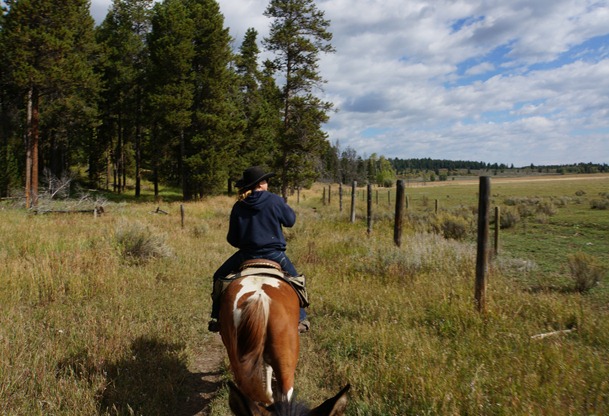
(90, 325)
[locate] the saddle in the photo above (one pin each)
(268, 268)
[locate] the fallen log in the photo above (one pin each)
(95, 211)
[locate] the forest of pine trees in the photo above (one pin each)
(156, 92)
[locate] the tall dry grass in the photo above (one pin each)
(84, 330)
(401, 326)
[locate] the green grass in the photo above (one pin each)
(86, 330)
(545, 240)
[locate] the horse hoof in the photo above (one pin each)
(213, 326)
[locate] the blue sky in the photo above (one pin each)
(514, 82)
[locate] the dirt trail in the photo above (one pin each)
(205, 380)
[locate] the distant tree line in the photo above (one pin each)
(156, 91)
(407, 166)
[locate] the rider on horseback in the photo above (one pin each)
(255, 228)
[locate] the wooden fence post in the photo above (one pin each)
(482, 251)
(353, 201)
(323, 198)
(399, 213)
(340, 197)
(329, 193)
(369, 210)
(182, 215)
(497, 227)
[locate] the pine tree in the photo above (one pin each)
(170, 87)
(298, 34)
(260, 108)
(122, 36)
(47, 47)
(216, 119)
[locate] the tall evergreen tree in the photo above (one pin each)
(331, 163)
(298, 34)
(171, 87)
(216, 119)
(5, 111)
(47, 46)
(260, 106)
(122, 36)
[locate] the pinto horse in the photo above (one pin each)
(259, 328)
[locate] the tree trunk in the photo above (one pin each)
(186, 192)
(31, 162)
(35, 137)
(138, 161)
(28, 152)
(138, 150)
(286, 128)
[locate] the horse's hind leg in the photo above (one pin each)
(283, 358)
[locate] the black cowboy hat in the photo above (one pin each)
(251, 176)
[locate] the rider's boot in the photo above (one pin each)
(213, 325)
(303, 323)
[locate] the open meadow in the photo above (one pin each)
(107, 315)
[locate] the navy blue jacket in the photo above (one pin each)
(256, 221)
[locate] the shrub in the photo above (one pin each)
(528, 207)
(451, 226)
(138, 243)
(547, 208)
(585, 270)
(509, 218)
(454, 228)
(200, 230)
(599, 204)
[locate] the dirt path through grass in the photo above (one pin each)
(205, 380)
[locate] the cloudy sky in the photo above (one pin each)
(514, 82)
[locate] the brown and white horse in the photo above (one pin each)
(259, 328)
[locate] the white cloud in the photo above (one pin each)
(488, 80)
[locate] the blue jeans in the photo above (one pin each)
(231, 265)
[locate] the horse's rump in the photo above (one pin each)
(259, 327)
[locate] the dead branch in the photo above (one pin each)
(553, 333)
(160, 211)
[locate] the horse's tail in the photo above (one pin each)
(251, 334)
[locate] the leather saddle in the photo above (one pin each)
(269, 268)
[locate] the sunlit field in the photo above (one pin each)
(106, 315)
